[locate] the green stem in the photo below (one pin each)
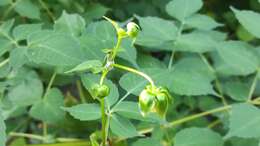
(107, 126)
(103, 114)
(45, 126)
(192, 117)
(3, 63)
(253, 86)
(31, 136)
(103, 76)
(218, 85)
(177, 37)
(45, 129)
(47, 10)
(50, 84)
(171, 60)
(115, 50)
(80, 91)
(136, 72)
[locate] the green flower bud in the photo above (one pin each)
(100, 91)
(161, 105)
(146, 102)
(163, 98)
(132, 29)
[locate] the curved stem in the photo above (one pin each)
(136, 72)
(4, 62)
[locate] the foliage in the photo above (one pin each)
(129, 73)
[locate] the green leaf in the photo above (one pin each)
(122, 127)
(238, 57)
(181, 9)
(84, 112)
(130, 110)
(5, 2)
(195, 42)
(194, 64)
(73, 24)
(249, 19)
(49, 108)
(127, 51)
(244, 121)
(198, 137)
(237, 90)
(2, 130)
(155, 31)
(148, 61)
(94, 66)
(89, 80)
(95, 11)
(18, 57)
(182, 82)
(203, 22)
(27, 8)
(98, 36)
(146, 142)
(5, 45)
(244, 141)
(5, 29)
(21, 32)
(52, 48)
(28, 91)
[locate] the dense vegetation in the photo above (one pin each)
(129, 73)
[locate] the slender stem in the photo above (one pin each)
(177, 37)
(103, 76)
(45, 126)
(45, 129)
(103, 113)
(218, 85)
(107, 126)
(6, 13)
(3, 63)
(253, 86)
(115, 50)
(171, 60)
(214, 123)
(136, 72)
(47, 10)
(81, 94)
(122, 99)
(31, 136)
(192, 117)
(50, 84)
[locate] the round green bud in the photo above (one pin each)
(132, 29)
(146, 102)
(161, 104)
(100, 91)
